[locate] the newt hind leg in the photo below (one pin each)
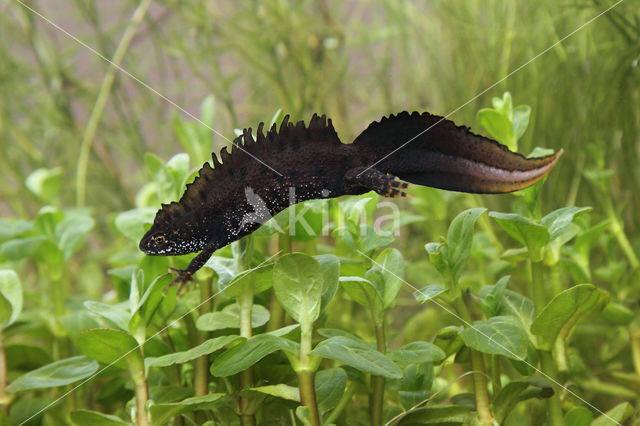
(362, 179)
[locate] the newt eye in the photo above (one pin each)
(159, 239)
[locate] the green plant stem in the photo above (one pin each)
(306, 371)
(342, 404)
(635, 348)
(201, 373)
(245, 303)
(480, 387)
(276, 313)
(101, 100)
(4, 397)
(618, 231)
(556, 418)
(556, 281)
(378, 382)
(560, 356)
(537, 287)
(495, 374)
(479, 372)
(136, 370)
(546, 359)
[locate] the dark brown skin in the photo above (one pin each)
(235, 197)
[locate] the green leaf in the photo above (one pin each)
(303, 413)
(330, 265)
(427, 293)
(249, 352)
(110, 346)
(459, 238)
(297, 281)
(415, 385)
(359, 355)
(224, 267)
(256, 279)
(616, 415)
(578, 416)
(493, 296)
(71, 232)
(10, 227)
(229, 317)
(498, 126)
(20, 248)
(371, 240)
(205, 348)
(363, 292)
(162, 413)
(390, 264)
(516, 391)
(519, 307)
(130, 223)
(521, 115)
(561, 314)
(558, 220)
(116, 315)
(437, 415)
(94, 418)
(617, 314)
(56, 374)
(330, 385)
(30, 410)
(416, 353)
(283, 391)
(448, 339)
(497, 336)
(525, 231)
(11, 291)
(45, 183)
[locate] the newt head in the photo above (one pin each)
(172, 235)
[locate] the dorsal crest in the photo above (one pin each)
(247, 152)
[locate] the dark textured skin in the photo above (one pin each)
(214, 209)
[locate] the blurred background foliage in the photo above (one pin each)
(233, 64)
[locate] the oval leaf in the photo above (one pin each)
(417, 353)
(205, 348)
(229, 317)
(249, 352)
(58, 373)
(359, 355)
(497, 336)
(109, 346)
(11, 290)
(297, 281)
(561, 314)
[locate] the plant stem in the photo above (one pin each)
(495, 374)
(477, 366)
(556, 418)
(245, 303)
(537, 286)
(306, 373)
(4, 397)
(635, 349)
(378, 382)
(201, 373)
(546, 359)
(618, 231)
(480, 387)
(101, 100)
(342, 404)
(136, 370)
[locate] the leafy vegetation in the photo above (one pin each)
(442, 308)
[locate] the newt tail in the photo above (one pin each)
(299, 163)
